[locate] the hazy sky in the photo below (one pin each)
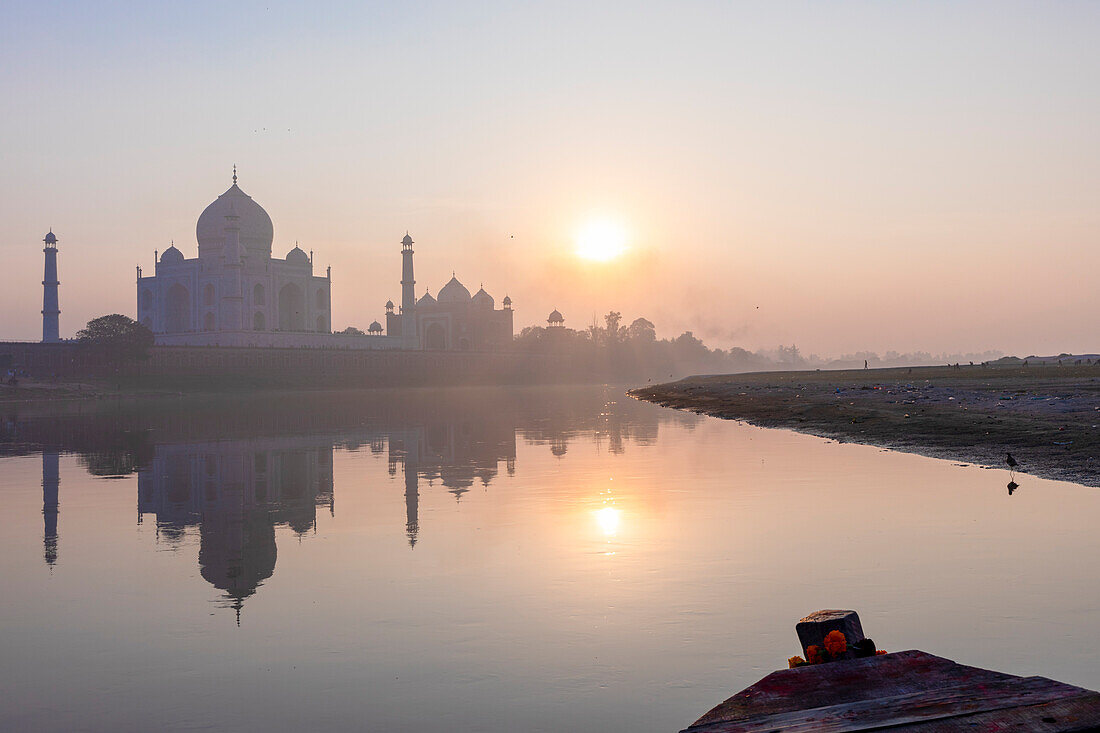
(838, 175)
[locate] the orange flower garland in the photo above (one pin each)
(835, 647)
(836, 643)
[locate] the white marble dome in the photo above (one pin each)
(297, 256)
(171, 256)
(483, 300)
(255, 225)
(454, 292)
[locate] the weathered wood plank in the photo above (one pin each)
(889, 675)
(1003, 697)
(1076, 715)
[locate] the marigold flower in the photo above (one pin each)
(836, 643)
(795, 662)
(813, 654)
(879, 651)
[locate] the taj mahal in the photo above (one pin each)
(235, 293)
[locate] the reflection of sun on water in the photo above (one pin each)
(608, 519)
(601, 240)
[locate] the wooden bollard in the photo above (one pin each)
(812, 630)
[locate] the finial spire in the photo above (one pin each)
(234, 174)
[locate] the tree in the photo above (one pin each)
(119, 337)
(350, 331)
(641, 330)
(613, 319)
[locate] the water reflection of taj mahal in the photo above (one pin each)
(237, 493)
(235, 478)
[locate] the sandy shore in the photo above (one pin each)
(1048, 417)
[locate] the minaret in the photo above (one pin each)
(408, 293)
(51, 478)
(50, 310)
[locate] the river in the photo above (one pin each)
(544, 559)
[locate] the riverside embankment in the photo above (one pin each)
(1047, 416)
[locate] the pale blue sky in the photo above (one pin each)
(870, 175)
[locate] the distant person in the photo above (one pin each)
(864, 363)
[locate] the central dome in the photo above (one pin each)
(255, 225)
(454, 292)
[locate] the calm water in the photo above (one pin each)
(553, 559)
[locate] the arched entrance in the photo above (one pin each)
(435, 337)
(321, 324)
(208, 322)
(258, 320)
(177, 310)
(292, 308)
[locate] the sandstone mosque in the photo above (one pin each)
(234, 293)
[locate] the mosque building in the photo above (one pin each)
(234, 293)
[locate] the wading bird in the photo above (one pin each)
(1010, 460)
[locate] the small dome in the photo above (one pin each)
(555, 317)
(297, 256)
(374, 327)
(483, 300)
(389, 305)
(507, 300)
(426, 299)
(51, 238)
(171, 256)
(454, 292)
(406, 240)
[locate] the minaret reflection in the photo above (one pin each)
(455, 452)
(51, 480)
(412, 504)
(237, 492)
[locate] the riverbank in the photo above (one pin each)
(33, 390)
(1047, 416)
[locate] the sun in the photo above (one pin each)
(601, 240)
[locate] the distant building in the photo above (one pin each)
(458, 320)
(234, 293)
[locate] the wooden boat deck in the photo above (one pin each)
(903, 691)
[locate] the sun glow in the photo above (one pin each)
(601, 240)
(608, 519)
